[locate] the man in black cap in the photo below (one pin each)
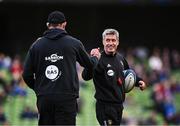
(50, 70)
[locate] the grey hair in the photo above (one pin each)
(110, 31)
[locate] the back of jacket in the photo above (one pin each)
(50, 65)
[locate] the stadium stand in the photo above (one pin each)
(158, 105)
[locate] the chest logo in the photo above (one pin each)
(109, 65)
(110, 73)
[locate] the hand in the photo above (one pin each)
(96, 52)
(142, 85)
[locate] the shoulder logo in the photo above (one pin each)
(53, 58)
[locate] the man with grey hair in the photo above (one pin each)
(108, 79)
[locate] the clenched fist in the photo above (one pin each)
(95, 52)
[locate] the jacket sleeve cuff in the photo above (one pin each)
(137, 81)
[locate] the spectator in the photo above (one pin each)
(3, 119)
(28, 113)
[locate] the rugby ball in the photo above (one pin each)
(129, 80)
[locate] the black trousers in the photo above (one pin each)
(108, 114)
(54, 112)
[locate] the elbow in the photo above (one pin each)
(85, 77)
(29, 81)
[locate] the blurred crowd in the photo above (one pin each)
(155, 66)
(12, 85)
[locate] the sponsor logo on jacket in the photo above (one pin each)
(53, 58)
(52, 72)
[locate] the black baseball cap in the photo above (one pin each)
(56, 17)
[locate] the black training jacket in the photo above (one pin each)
(50, 65)
(108, 78)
